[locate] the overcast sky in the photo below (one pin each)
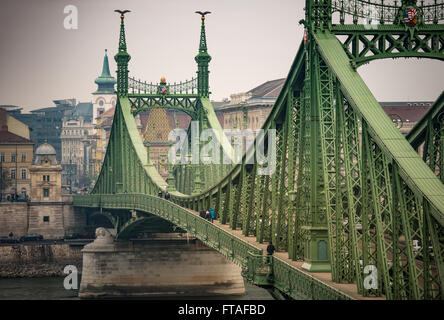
(250, 41)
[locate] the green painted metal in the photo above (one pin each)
(122, 58)
(299, 284)
(388, 41)
(349, 191)
(203, 59)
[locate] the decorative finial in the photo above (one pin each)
(122, 58)
(203, 14)
(122, 13)
(162, 79)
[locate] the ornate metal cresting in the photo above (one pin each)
(383, 13)
(349, 194)
(185, 87)
(390, 31)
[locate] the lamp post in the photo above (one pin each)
(292, 225)
(197, 181)
(188, 173)
(207, 169)
(170, 180)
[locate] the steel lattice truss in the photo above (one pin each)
(363, 45)
(185, 103)
(349, 191)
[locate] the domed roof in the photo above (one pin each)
(45, 149)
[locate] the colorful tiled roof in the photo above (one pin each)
(158, 127)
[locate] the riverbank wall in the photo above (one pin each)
(38, 260)
(52, 220)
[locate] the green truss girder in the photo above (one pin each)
(363, 44)
(185, 103)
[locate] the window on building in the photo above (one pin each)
(13, 157)
(45, 218)
(45, 192)
(13, 174)
(47, 178)
(24, 174)
(101, 103)
(23, 157)
(2, 157)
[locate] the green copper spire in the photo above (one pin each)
(105, 82)
(105, 69)
(122, 58)
(203, 59)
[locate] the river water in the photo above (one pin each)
(52, 289)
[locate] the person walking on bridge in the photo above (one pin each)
(270, 251)
(212, 214)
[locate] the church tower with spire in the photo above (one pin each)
(104, 98)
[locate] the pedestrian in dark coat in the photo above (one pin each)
(270, 251)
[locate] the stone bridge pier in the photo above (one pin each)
(164, 265)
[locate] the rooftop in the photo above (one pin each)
(84, 110)
(269, 89)
(45, 149)
(105, 81)
(7, 137)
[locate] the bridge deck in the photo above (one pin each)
(347, 288)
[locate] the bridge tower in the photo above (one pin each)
(203, 59)
(122, 58)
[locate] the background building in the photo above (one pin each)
(16, 153)
(406, 114)
(250, 109)
(46, 175)
(45, 124)
(75, 138)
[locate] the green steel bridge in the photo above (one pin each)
(351, 199)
